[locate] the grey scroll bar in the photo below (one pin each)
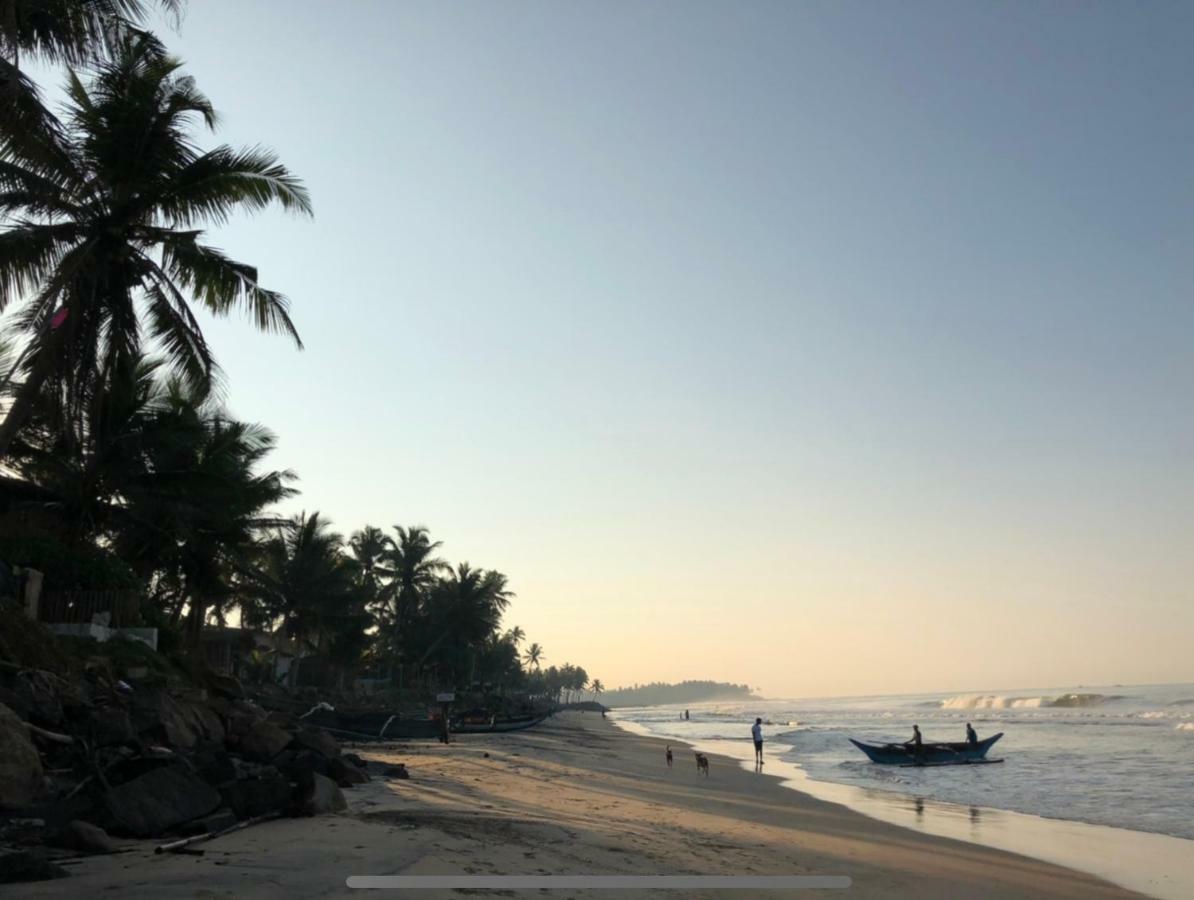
(599, 882)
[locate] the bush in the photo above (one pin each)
(68, 568)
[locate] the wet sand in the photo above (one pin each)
(575, 796)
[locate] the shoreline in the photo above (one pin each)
(577, 795)
(1154, 864)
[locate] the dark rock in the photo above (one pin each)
(297, 765)
(111, 726)
(26, 865)
(398, 771)
(226, 686)
(252, 798)
(205, 722)
(241, 715)
(160, 800)
(41, 693)
(156, 713)
(21, 776)
(85, 838)
(318, 740)
(264, 741)
(322, 796)
(345, 774)
(356, 760)
(213, 765)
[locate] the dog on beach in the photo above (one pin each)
(702, 764)
(669, 756)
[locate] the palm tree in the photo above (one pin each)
(533, 655)
(414, 570)
(104, 246)
(515, 635)
(597, 688)
(303, 583)
(74, 32)
(463, 612)
(370, 547)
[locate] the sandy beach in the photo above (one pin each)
(576, 796)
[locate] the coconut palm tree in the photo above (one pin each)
(370, 547)
(104, 248)
(302, 583)
(533, 656)
(463, 611)
(515, 635)
(597, 688)
(74, 32)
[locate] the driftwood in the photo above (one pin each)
(180, 846)
(50, 735)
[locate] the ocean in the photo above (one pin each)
(1118, 756)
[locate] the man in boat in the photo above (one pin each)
(971, 735)
(917, 744)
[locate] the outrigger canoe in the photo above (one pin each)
(960, 753)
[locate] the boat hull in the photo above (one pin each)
(930, 754)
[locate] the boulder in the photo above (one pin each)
(155, 712)
(39, 694)
(297, 765)
(21, 775)
(26, 865)
(160, 800)
(253, 798)
(111, 726)
(398, 771)
(318, 740)
(226, 686)
(85, 838)
(213, 765)
(322, 796)
(205, 722)
(345, 774)
(264, 741)
(355, 759)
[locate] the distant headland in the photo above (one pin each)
(660, 693)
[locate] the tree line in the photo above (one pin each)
(119, 464)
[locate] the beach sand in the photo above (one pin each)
(575, 796)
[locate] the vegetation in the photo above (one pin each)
(659, 693)
(119, 467)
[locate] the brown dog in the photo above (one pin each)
(669, 756)
(702, 764)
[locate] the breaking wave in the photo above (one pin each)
(997, 701)
(1184, 726)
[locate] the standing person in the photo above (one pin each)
(685, 715)
(971, 735)
(756, 732)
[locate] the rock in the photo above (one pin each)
(111, 726)
(25, 865)
(355, 759)
(298, 765)
(398, 771)
(318, 740)
(345, 774)
(160, 800)
(226, 685)
(85, 838)
(155, 712)
(322, 796)
(264, 741)
(213, 765)
(21, 776)
(241, 715)
(206, 722)
(40, 694)
(252, 798)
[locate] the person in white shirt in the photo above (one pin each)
(756, 732)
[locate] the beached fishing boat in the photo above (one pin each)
(466, 726)
(947, 754)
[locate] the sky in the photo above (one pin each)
(833, 348)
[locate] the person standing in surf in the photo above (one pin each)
(756, 732)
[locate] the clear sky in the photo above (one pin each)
(829, 347)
